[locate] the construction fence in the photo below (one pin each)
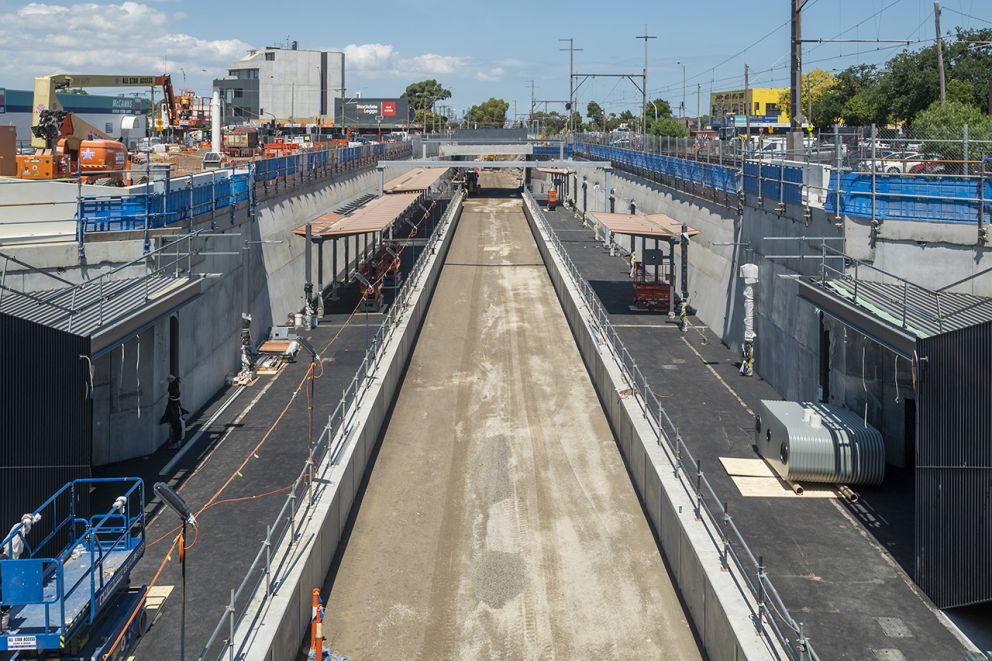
(162, 202)
(932, 176)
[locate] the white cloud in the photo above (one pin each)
(496, 73)
(375, 61)
(368, 57)
(86, 37)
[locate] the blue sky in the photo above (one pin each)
(478, 50)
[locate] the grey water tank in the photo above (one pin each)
(813, 442)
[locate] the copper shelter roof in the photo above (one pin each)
(375, 216)
(416, 180)
(655, 226)
(319, 225)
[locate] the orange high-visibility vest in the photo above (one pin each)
(553, 195)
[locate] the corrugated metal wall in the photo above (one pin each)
(954, 467)
(46, 421)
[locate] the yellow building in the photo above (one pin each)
(762, 104)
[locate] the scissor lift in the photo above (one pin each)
(651, 291)
(75, 603)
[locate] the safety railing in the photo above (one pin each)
(324, 454)
(906, 304)
(853, 173)
(773, 617)
(718, 183)
(71, 300)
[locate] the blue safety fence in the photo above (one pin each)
(717, 177)
(905, 197)
(552, 150)
(778, 182)
(114, 214)
(182, 202)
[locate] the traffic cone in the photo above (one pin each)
(316, 628)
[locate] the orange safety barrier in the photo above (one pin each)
(316, 628)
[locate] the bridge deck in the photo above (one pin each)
(498, 520)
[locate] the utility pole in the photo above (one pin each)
(796, 76)
(530, 117)
(571, 81)
(747, 102)
(990, 95)
(644, 82)
(940, 52)
(699, 88)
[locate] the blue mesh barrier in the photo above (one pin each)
(718, 177)
(901, 197)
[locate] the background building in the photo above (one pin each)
(374, 114)
(730, 108)
(284, 84)
(117, 116)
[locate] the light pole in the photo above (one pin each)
(176, 503)
(683, 92)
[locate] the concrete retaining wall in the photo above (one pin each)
(280, 626)
(130, 383)
(721, 614)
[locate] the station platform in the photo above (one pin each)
(853, 597)
(231, 532)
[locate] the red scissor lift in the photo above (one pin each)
(652, 276)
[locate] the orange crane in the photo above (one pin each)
(65, 144)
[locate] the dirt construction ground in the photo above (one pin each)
(499, 521)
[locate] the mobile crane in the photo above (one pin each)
(65, 144)
(65, 575)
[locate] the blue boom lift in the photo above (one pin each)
(65, 577)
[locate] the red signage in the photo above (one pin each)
(389, 109)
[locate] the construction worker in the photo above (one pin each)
(13, 550)
(552, 199)
(175, 415)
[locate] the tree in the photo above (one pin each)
(427, 119)
(941, 126)
(550, 122)
(668, 126)
(423, 95)
(816, 83)
(597, 115)
(629, 119)
(489, 113)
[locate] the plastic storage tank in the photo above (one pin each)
(813, 442)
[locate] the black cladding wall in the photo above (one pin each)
(46, 417)
(954, 466)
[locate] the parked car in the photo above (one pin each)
(891, 162)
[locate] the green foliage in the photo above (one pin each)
(596, 115)
(428, 119)
(908, 84)
(942, 127)
(667, 126)
(423, 94)
(817, 83)
(489, 113)
(659, 107)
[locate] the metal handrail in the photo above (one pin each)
(708, 507)
(326, 452)
(103, 278)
